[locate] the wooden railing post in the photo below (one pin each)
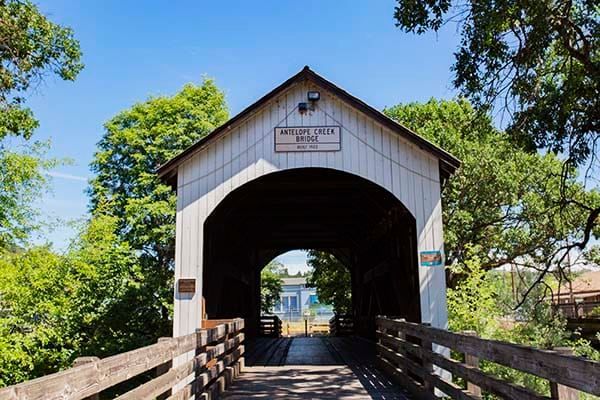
(163, 368)
(561, 392)
(402, 335)
(472, 361)
(427, 346)
(85, 360)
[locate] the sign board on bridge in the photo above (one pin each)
(186, 285)
(431, 258)
(308, 138)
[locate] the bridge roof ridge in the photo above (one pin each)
(448, 163)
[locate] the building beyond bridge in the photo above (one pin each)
(298, 301)
(580, 298)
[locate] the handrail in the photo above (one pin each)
(217, 353)
(405, 351)
(270, 326)
(341, 325)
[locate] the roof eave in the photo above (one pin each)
(448, 163)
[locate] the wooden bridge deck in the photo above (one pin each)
(318, 367)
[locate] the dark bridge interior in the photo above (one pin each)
(362, 224)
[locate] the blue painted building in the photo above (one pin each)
(297, 298)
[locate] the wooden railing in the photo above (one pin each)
(341, 325)
(578, 310)
(215, 361)
(404, 351)
(270, 326)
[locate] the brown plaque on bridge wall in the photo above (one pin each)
(186, 285)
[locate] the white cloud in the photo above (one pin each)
(70, 177)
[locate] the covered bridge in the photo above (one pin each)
(310, 166)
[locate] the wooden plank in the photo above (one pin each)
(199, 384)
(449, 388)
(86, 380)
(561, 392)
(426, 360)
(85, 360)
(472, 361)
(166, 381)
(404, 380)
(576, 372)
(487, 382)
(162, 369)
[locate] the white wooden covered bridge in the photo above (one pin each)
(311, 166)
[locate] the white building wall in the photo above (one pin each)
(247, 152)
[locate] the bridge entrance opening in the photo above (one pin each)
(302, 291)
(365, 226)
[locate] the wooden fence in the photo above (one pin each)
(341, 325)
(404, 351)
(216, 361)
(270, 326)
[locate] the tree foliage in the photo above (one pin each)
(504, 199)
(331, 279)
(270, 285)
(31, 46)
(483, 302)
(539, 60)
(135, 143)
(55, 307)
(22, 181)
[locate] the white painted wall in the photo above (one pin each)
(247, 152)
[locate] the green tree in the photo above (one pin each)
(35, 337)
(55, 307)
(539, 62)
(504, 199)
(482, 302)
(135, 143)
(22, 180)
(111, 304)
(31, 47)
(270, 285)
(331, 279)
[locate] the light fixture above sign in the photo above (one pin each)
(302, 107)
(313, 95)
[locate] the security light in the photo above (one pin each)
(314, 95)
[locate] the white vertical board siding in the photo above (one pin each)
(246, 152)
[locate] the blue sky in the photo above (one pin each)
(133, 50)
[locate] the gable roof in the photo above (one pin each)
(585, 285)
(448, 163)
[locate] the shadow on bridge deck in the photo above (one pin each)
(312, 368)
